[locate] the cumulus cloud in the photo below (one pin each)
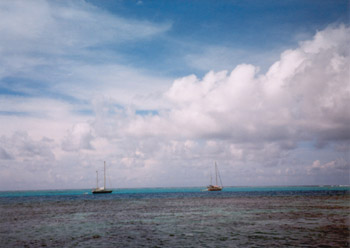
(79, 137)
(329, 167)
(20, 146)
(302, 97)
(256, 125)
(243, 117)
(4, 154)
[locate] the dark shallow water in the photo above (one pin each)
(279, 218)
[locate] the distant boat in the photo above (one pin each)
(101, 190)
(215, 187)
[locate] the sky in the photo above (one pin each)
(161, 90)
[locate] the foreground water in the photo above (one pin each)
(177, 217)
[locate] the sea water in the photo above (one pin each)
(177, 217)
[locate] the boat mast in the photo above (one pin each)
(104, 180)
(216, 174)
(96, 179)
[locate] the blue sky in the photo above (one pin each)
(249, 28)
(162, 89)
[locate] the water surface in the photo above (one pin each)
(177, 217)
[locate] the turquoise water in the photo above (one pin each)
(270, 189)
(177, 217)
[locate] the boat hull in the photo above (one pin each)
(214, 188)
(101, 191)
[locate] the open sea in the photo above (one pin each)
(177, 217)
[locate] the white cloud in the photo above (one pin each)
(329, 167)
(120, 84)
(4, 154)
(79, 137)
(252, 123)
(256, 118)
(303, 96)
(47, 26)
(70, 49)
(21, 147)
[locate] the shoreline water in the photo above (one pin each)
(8, 198)
(159, 190)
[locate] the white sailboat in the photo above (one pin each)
(101, 190)
(215, 187)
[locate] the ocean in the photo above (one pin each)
(177, 217)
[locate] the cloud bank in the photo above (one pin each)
(302, 97)
(249, 120)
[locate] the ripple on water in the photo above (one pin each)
(169, 222)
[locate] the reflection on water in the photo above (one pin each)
(244, 220)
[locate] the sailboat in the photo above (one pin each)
(215, 187)
(101, 190)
